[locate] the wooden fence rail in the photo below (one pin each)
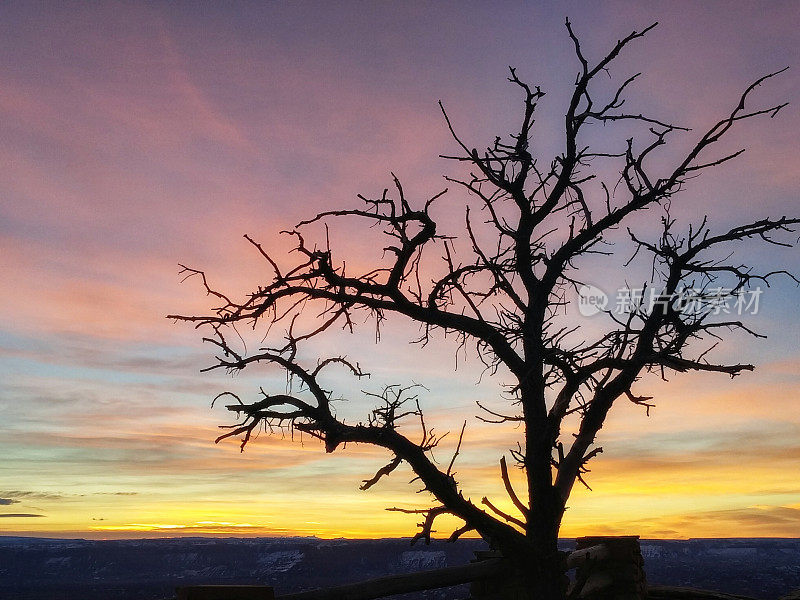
(486, 569)
(598, 578)
(406, 583)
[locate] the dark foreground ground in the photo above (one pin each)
(39, 569)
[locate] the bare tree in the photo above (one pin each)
(507, 302)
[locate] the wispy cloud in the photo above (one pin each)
(32, 495)
(749, 521)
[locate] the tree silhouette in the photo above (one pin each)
(507, 302)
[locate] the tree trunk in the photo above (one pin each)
(541, 566)
(550, 583)
(531, 579)
(537, 574)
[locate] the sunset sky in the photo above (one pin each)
(138, 135)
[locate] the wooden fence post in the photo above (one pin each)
(619, 576)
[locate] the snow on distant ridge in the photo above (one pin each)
(418, 560)
(280, 561)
